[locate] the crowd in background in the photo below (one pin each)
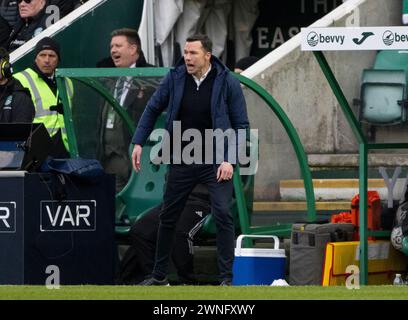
(21, 20)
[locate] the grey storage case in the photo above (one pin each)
(307, 249)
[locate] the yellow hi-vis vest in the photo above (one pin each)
(43, 98)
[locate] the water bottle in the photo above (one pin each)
(398, 280)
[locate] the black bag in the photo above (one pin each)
(84, 169)
(138, 260)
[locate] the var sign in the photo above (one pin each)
(70, 215)
(7, 217)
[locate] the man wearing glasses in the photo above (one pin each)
(32, 21)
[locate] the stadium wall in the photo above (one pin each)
(295, 80)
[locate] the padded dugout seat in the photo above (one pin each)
(143, 191)
(392, 60)
(383, 90)
(383, 93)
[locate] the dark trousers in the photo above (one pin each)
(138, 260)
(181, 180)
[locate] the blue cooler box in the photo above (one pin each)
(255, 266)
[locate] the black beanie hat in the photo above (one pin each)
(246, 62)
(47, 43)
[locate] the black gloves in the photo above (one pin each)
(59, 108)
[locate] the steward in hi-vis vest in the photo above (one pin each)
(40, 81)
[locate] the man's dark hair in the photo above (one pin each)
(205, 41)
(131, 35)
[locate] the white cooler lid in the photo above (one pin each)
(261, 253)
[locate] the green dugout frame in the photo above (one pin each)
(364, 148)
(318, 39)
(87, 77)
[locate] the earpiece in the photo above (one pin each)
(6, 70)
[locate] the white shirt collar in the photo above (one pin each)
(200, 81)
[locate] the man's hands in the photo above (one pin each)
(136, 157)
(225, 171)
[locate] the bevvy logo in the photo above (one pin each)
(313, 39)
(388, 38)
(344, 39)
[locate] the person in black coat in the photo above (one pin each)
(9, 11)
(66, 6)
(15, 100)
(33, 20)
(4, 32)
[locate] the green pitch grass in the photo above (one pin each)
(201, 293)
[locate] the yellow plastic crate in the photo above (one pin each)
(383, 262)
